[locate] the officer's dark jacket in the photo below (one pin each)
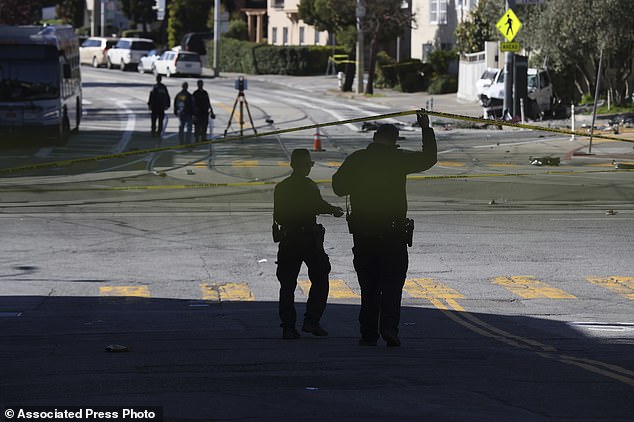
(201, 101)
(297, 202)
(375, 179)
(159, 97)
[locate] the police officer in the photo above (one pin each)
(297, 202)
(204, 111)
(184, 108)
(375, 179)
(158, 102)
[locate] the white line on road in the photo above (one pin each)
(129, 125)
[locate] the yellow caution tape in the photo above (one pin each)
(65, 163)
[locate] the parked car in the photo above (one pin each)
(128, 52)
(146, 64)
(178, 63)
(93, 50)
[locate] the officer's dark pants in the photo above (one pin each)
(381, 266)
(157, 115)
(201, 124)
(308, 248)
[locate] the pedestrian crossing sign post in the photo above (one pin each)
(509, 25)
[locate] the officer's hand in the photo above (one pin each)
(423, 119)
(337, 211)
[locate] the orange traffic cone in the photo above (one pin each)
(317, 141)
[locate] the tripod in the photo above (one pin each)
(243, 102)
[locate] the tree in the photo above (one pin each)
(138, 11)
(384, 20)
(20, 12)
(472, 33)
(71, 12)
(572, 39)
(186, 16)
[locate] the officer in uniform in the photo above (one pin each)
(297, 202)
(375, 179)
(158, 102)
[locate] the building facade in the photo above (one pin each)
(436, 22)
(285, 27)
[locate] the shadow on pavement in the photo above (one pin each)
(226, 361)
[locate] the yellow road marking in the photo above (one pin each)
(529, 288)
(333, 163)
(621, 285)
(338, 289)
(428, 288)
(450, 164)
(136, 291)
(227, 292)
(283, 164)
(503, 165)
(245, 163)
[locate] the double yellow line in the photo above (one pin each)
(445, 299)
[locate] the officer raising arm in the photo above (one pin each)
(375, 180)
(297, 202)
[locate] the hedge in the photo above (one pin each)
(409, 76)
(259, 59)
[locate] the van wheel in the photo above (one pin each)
(168, 73)
(122, 66)
(109, 63)
(95, 64)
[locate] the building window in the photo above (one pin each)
(438, 12)
(278, 4)
(316, 37)
(301, 35)
(285, 35)
(274, 35)
(427, 48)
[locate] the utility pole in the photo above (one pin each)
(216, 38)
(509, 58)
(360, 48)
(102, 10)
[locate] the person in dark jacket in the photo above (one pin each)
(204, 111)
(375, 180)
(297, 202)
(184, 108)
(158, 102)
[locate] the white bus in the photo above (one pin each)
(40, 82)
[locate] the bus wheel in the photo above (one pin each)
(64, 132)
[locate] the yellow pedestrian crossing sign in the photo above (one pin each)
(509, 25)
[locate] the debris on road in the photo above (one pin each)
(544, 161)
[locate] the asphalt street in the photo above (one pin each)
(149, 281)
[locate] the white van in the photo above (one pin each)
(128, 52)
(540, 95)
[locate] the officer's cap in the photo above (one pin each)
(301, 157)
(386, 133)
